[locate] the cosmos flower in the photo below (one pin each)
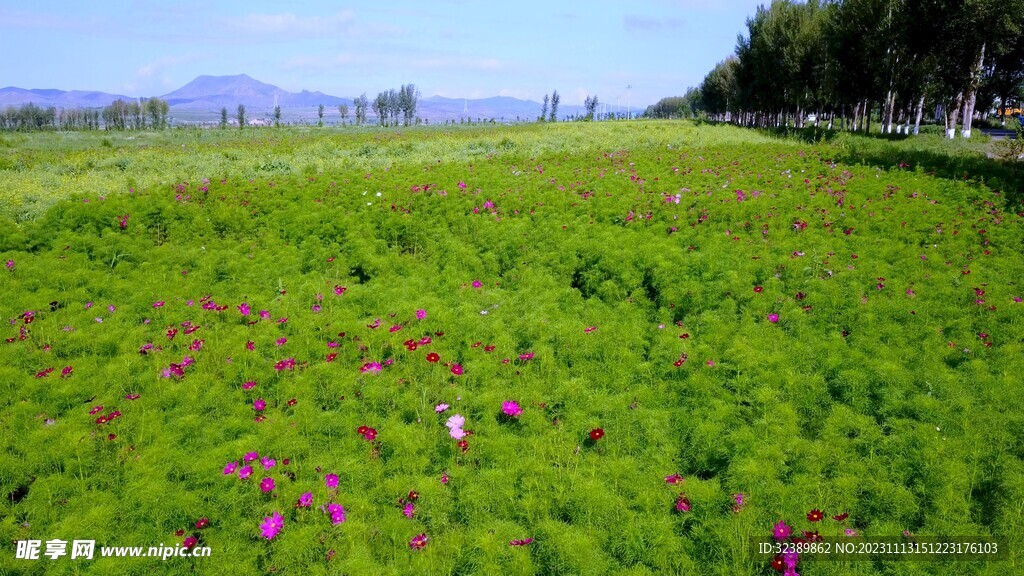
(683, 503)
(230, 468)
(244, 472)
(418, 542)
(511, 408)
(259, 404)
(477, 284)
(331, 481)
(781, 531)
(596, 434)
(267, 485)
(773, 318)
(456, 369)
(268, 462)
(421, 314)
(244, 309)
(433, 357)
(305, 500)
(440, 408)
(272, 525)
(673, 479)
(409, 510)
(522, 542)
(815, 515)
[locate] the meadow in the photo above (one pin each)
(596, 348)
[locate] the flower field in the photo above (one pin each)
(606, 348)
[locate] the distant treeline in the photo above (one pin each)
(119, 115)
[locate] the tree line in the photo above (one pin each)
(844, 62)
(119, 115)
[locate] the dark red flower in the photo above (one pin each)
(778, 564)
(202, 523)
(293, 402)
(758, 289)
(189, 542)
(433, 357)
(815, 515)
(596, 434)
(841, 517)
(463, 445)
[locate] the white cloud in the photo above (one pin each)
(293, 25)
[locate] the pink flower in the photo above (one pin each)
(395, 328)
(259, 404)
(409, 510)
(244, 308)
(272, 525)
(589, 329)
(522, 542)
(370, 367)
(10, 264)
(421, 314)
(440, 408)
(781, 531)
(230, 468)
(418, 542)
(337, 512)
(249, 385)
(158, 304)
(683, 504)
(444, 478)
(477, 284)
(281, 341)
(267, 485)
(673, 479)
(250, 345)
(264, 314)
(773, 318)
(457, 369)
(331, 481)
(511, 408)
(526, 356)
(462, 185)
(250, 457)
(339, 290)
(268, 462)
(305, 500)
(456, 421)
(244, 472)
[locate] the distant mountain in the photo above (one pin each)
(12, 96)
(202, 99)
(215, 92)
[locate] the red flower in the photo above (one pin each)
(457, 369)
(778, 564)
(202, 523)
(433, 357)
(189, 542)
(815, 515)
(596, 434)
(841, 517)
(758, 289)
(463, 445)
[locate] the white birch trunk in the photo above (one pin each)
(952, 113)
(972, 94)
(917, 116)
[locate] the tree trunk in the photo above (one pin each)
(856, 116)
(952, 113)
(972, 94)
(886, 119)
(867, 117)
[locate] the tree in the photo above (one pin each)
(343, 110)
(224, 117)
(544, 108)
(361, 104)
(590, 105)
(157, 110)
(380, 108)
(320, 115)
(241, 116)
(407, 102)
(277, 116)
(555, 99)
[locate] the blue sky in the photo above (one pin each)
(455, 48)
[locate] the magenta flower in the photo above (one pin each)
(244, 472)
(248, 385)
(421, 314)
(589, 329)
(673, 479)
(409, 510)
(370, 367)
(683, 504)
(457, 369)
(259, 404)
(267, 485)
(244, 309)
(511, 408)
(526, 356)
(477, 284)
(440, 408)
(522, 542)
(281, 341)
(250, 345)
(305, 500)
(781, 531)
(337, 512)
(230, 468)
(250, 457)
(444, 478)
(268, 462)
(264, 314)
(272, 525)
(773, 318)
(418, 542)
(158, 304)
(331, 481)
(10, 264)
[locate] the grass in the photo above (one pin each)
(881, 391)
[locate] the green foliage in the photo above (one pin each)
(880, 391)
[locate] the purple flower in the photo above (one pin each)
(511, 408)
(272, 525)
(250, 457)
(477, 284)
(244, 308)
(337, 512)
(773, 318)
(259, 404)
(267, 485)
(230, 468)
(331, 481)
(10, 264)
(781, 531)
(305, 500)
(268, 462)
(440, 408)
(421, 314)
(409, 510)
(244, 472)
